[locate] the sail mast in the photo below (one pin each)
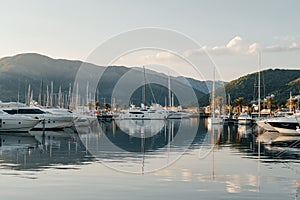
(213, 94)
(144, 93)
(169, 90)
(259, 66)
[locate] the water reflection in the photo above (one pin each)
(232, 156)
(133, 143)
(38, 150)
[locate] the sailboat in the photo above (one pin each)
(213, 119)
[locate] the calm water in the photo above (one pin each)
(178, 159)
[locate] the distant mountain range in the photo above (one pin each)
(17, 72)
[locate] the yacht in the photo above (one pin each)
(19, 123)
(244, 119)
(285, 125)
(265, 125)
(214, 119)
(142, 114)
(47, 119)
(178, 115)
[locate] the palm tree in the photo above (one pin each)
(239, 103)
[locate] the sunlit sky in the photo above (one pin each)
(232, 32)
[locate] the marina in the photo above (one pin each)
(137, 100)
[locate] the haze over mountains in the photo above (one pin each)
(17, 72)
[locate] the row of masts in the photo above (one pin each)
(61, 99)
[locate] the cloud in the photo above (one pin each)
(277, 48)
(239, 46)
(236, 46)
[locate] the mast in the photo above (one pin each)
(47, 96)
(51, 94)
(28, 95)
(18, 90)
(77, 97)
(41, 102)
(70, 96)
(59, 100)
(169, 90)
(87, 94)
(259, 66)
(290, 107)
(213, 94)
(144, 91)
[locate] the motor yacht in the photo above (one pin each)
(16, 123)
(46, 119)
(285, 125)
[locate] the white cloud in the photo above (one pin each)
(236, 46)
(277, 48)
(294, 46)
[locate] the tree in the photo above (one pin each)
(106, 106)
(96, 105)
(239, 103)
(293, 102)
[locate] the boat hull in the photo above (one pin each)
(214, 120)
(17, 124)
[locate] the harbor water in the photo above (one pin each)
(151, 159)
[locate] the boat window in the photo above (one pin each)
(12, 112)
(136, 113)
(24, 111)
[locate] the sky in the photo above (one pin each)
(226, 35)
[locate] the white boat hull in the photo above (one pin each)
(55, 122)
(214, 120)
(142, 115)
(284, 125)
(265, 126)
(17, 124)
(244, 121)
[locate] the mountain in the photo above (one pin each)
(279, 82)
(17, 72)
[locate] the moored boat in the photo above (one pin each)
(288, 125)
(244, 119)
(47, 120)
(16, 123)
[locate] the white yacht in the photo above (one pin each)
(285, 125)
(142, 114)
(154, 112)
(244, 119)
(178, 115)
(47, 119)
(215, 120)
(265, 125)
(16, 123)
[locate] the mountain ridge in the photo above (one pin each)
(17, 72)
